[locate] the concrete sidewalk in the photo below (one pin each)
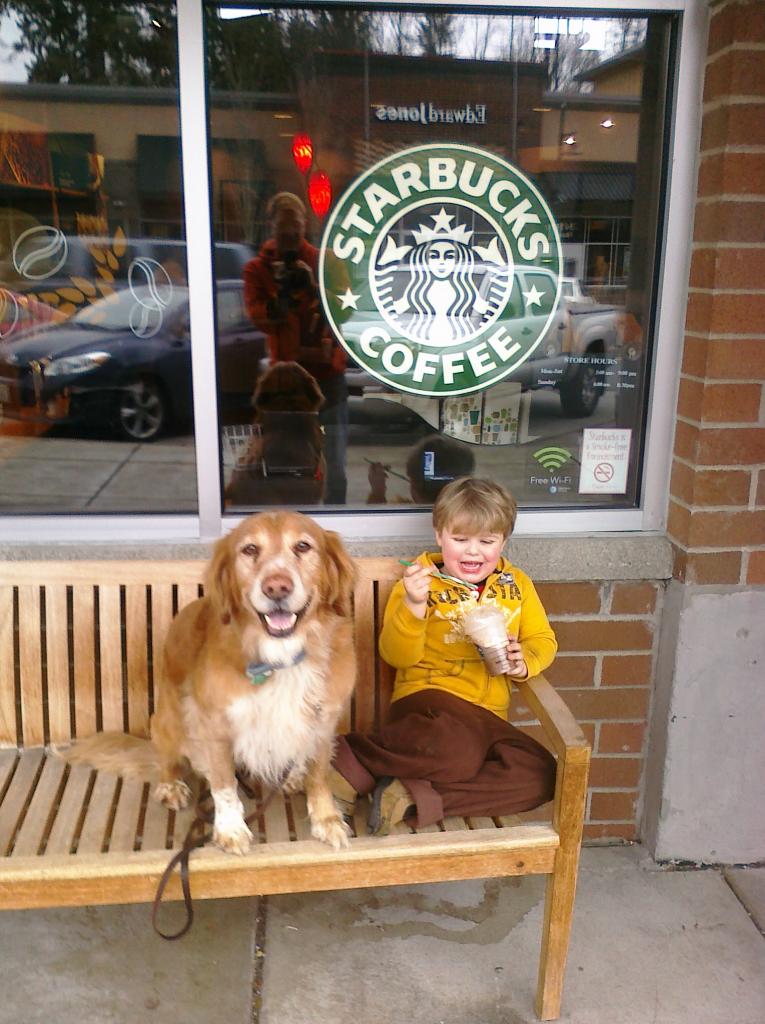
(650, 946)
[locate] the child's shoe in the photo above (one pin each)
(343, 792)
(391, 801)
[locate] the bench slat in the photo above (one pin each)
(281, 867)
(136, 632)
(277, 825)
(155, 825)
(364, 696)
(41, 809)
(93, 833)
(57, 662)
(68, 815)
(30, 666)
(83, 632)
(110, 648)
(161, 617)
(8, 734)
(123, 837)
(300, 815)
(17, 797)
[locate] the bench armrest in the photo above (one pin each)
(568, 740)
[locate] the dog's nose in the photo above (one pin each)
(277, 586)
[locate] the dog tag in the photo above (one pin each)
(258, 672)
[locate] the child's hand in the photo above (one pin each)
(518, 667)
(417, 587)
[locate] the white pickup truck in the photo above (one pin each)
(581, 339)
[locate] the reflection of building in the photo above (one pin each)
(586, 167)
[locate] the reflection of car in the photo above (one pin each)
(125, 362)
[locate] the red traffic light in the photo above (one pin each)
(320, 193)
(302, 152)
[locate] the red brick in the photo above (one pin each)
(690, 398)
(736, 73)
(613, 806)
(742, 124)
(746, 311)
(755, 573)
(730, 268)
(742, 446)
(694, 356)
(633, 598)
(679, 562)
(735, 22)
(605, 635)
(626, 670)
(682, 482)
(760, 495)
(686, 440)
(742, 359)
(573, 671)
(732, 173)
(615, 771)
(538, 733)
(615, 703)
(725, 221)
(698, 313)
(727, 529)
(731, 403)
(621, 738)
(703, 268)
(713, 567)
(721, 487)
(610, 831)
(569, 598)
(678, 522)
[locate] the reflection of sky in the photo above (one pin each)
(12, 64)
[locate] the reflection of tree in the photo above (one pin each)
(104, 42)
(435, 34)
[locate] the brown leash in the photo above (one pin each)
(199, 834)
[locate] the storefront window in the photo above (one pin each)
(567, 115)
(95, 369)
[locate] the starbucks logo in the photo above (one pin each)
(419, 269)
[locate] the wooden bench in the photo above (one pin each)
(79, 643)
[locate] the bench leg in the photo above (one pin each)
(570, 793)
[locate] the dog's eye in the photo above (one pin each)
(251, 550)
(301, 547)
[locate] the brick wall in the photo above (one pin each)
(717, 507)
(606, 633)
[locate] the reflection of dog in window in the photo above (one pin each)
(285, 464)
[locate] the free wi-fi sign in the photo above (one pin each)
(552, 458)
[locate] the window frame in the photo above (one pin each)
(671, 287)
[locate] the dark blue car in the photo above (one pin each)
(124, 363)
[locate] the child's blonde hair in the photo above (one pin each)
(475, 506)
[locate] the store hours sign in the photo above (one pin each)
(418, 269)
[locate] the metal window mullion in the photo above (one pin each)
(196, 192)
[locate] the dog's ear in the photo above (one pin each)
(340, 577)
(220, 584)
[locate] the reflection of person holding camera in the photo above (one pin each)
(282, 298)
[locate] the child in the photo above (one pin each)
(447, 747)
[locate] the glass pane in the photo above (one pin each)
(95, 357)
(380, 268)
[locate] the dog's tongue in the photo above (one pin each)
(280, 622)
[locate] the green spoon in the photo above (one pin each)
(444, 575)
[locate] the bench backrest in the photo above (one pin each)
(80, 643)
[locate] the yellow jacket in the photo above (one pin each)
(432, 653)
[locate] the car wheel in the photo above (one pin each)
(142, 410)
(579, 396)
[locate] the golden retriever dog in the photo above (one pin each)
(255, 676)
(284, 464)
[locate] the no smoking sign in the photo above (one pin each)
(605, 461)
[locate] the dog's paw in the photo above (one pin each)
(333, 831)
(174, 795)
(233, 840)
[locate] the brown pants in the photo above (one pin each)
(454, 757)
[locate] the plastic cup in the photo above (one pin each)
(486, 628)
